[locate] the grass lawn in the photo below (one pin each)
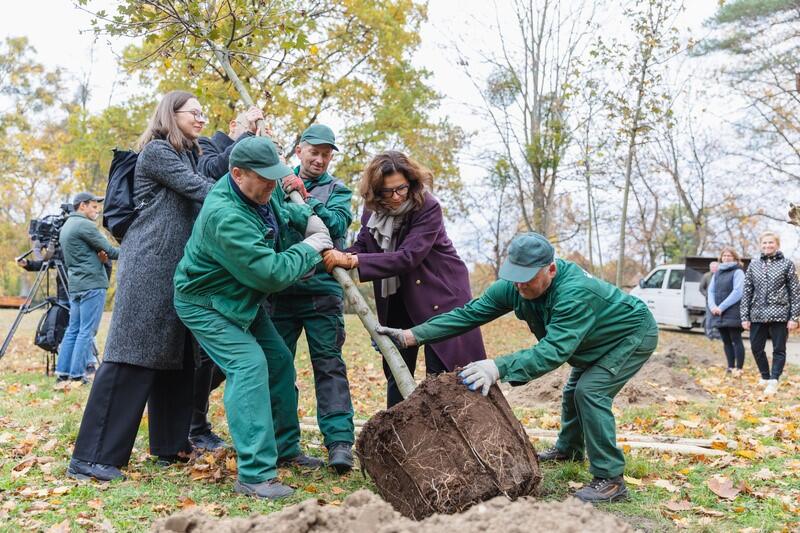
(39, 423)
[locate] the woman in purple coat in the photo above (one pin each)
(403, 248)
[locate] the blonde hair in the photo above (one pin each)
(770, 234)
(731, 251)
(386, 164)
(162, 124)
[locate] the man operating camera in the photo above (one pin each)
(82, 245)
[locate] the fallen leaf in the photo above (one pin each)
(230, 464)
(764, 474)
(49, 445)
(709, 512)
(574, 485)
(666, 485)
(747, 454)
(311, 488)
(633, 481)
(723, 487)
(61, 490)
(337, 490)
(683, 505)
(22, 468)
(186, 503)
(61, 527)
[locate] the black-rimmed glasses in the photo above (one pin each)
(402, 191)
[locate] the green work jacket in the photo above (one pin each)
(231, 263)
(330, 200)
(80, 239)
(580, 320)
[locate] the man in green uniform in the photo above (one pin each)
(316, 304)
(605, 334)
(232, 261)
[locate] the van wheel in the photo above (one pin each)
(685, 328)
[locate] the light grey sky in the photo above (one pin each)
(61, 38)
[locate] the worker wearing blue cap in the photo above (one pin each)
(605, 334)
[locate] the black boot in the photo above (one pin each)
(83, 470)
(554, 454)
(207, 441)
(340, 457)
(603, 490)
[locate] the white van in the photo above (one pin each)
(672, 292)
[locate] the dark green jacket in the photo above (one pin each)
(231, 263)
(80, 240)
(335, 212)
(580, 320)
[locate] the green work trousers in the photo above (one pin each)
(322, 317)
(260, 397)
(587, 421)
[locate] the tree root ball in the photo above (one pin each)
(445, 448)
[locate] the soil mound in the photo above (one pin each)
(665, 374)
(365, 512)
(446, 448)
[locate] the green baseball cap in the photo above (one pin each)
(528, 253)
(319, 134)
(260, 155)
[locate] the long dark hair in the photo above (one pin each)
(162, 124)
(388, 163)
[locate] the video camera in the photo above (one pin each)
(47, 228)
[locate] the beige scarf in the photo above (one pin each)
(384, 227)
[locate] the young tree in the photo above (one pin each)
(639, 103)
(527, 98)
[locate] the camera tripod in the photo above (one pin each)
(49, 301)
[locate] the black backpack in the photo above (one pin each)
(119, 209)
(52, 326)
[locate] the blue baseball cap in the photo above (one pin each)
(528, 253)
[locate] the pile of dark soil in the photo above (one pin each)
(665, 374)
(446, 448)
(364, 512)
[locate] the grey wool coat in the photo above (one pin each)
(145, 330)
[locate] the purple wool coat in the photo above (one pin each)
(433, 278)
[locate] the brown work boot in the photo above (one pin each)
(603, 490)
(554, 454)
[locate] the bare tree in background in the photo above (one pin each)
(638, 104)
(527, 96)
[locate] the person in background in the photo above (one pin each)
(770, 307)
(403, 248)
(724, 294)
(149, 353)
(707, 327)
(316, 304)
(216, 150)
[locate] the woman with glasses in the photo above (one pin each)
(403, 248)
(148, 354)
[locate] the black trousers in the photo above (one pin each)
(778, 332)
(398, 318)
(115, 406)
(734, 347)
(207, 377)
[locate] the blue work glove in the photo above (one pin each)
(375, 346)
(402, 338)
(481, 374)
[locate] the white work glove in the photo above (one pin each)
(315, 225)
(319, 241)
(402, 338)
(481, 374)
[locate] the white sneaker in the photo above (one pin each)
(762, 381)
(737, 372)
(772, 387)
